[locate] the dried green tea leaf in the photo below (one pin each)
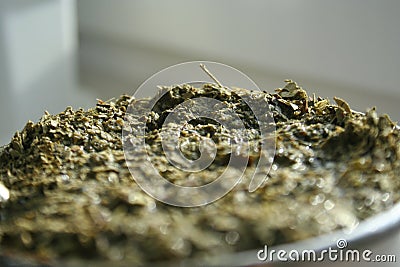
(66, 191)
(343, 104)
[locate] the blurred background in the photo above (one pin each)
(58, 53)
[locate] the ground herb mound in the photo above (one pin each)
(66, 191)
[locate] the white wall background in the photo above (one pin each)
(353, 42)
(348, 48)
